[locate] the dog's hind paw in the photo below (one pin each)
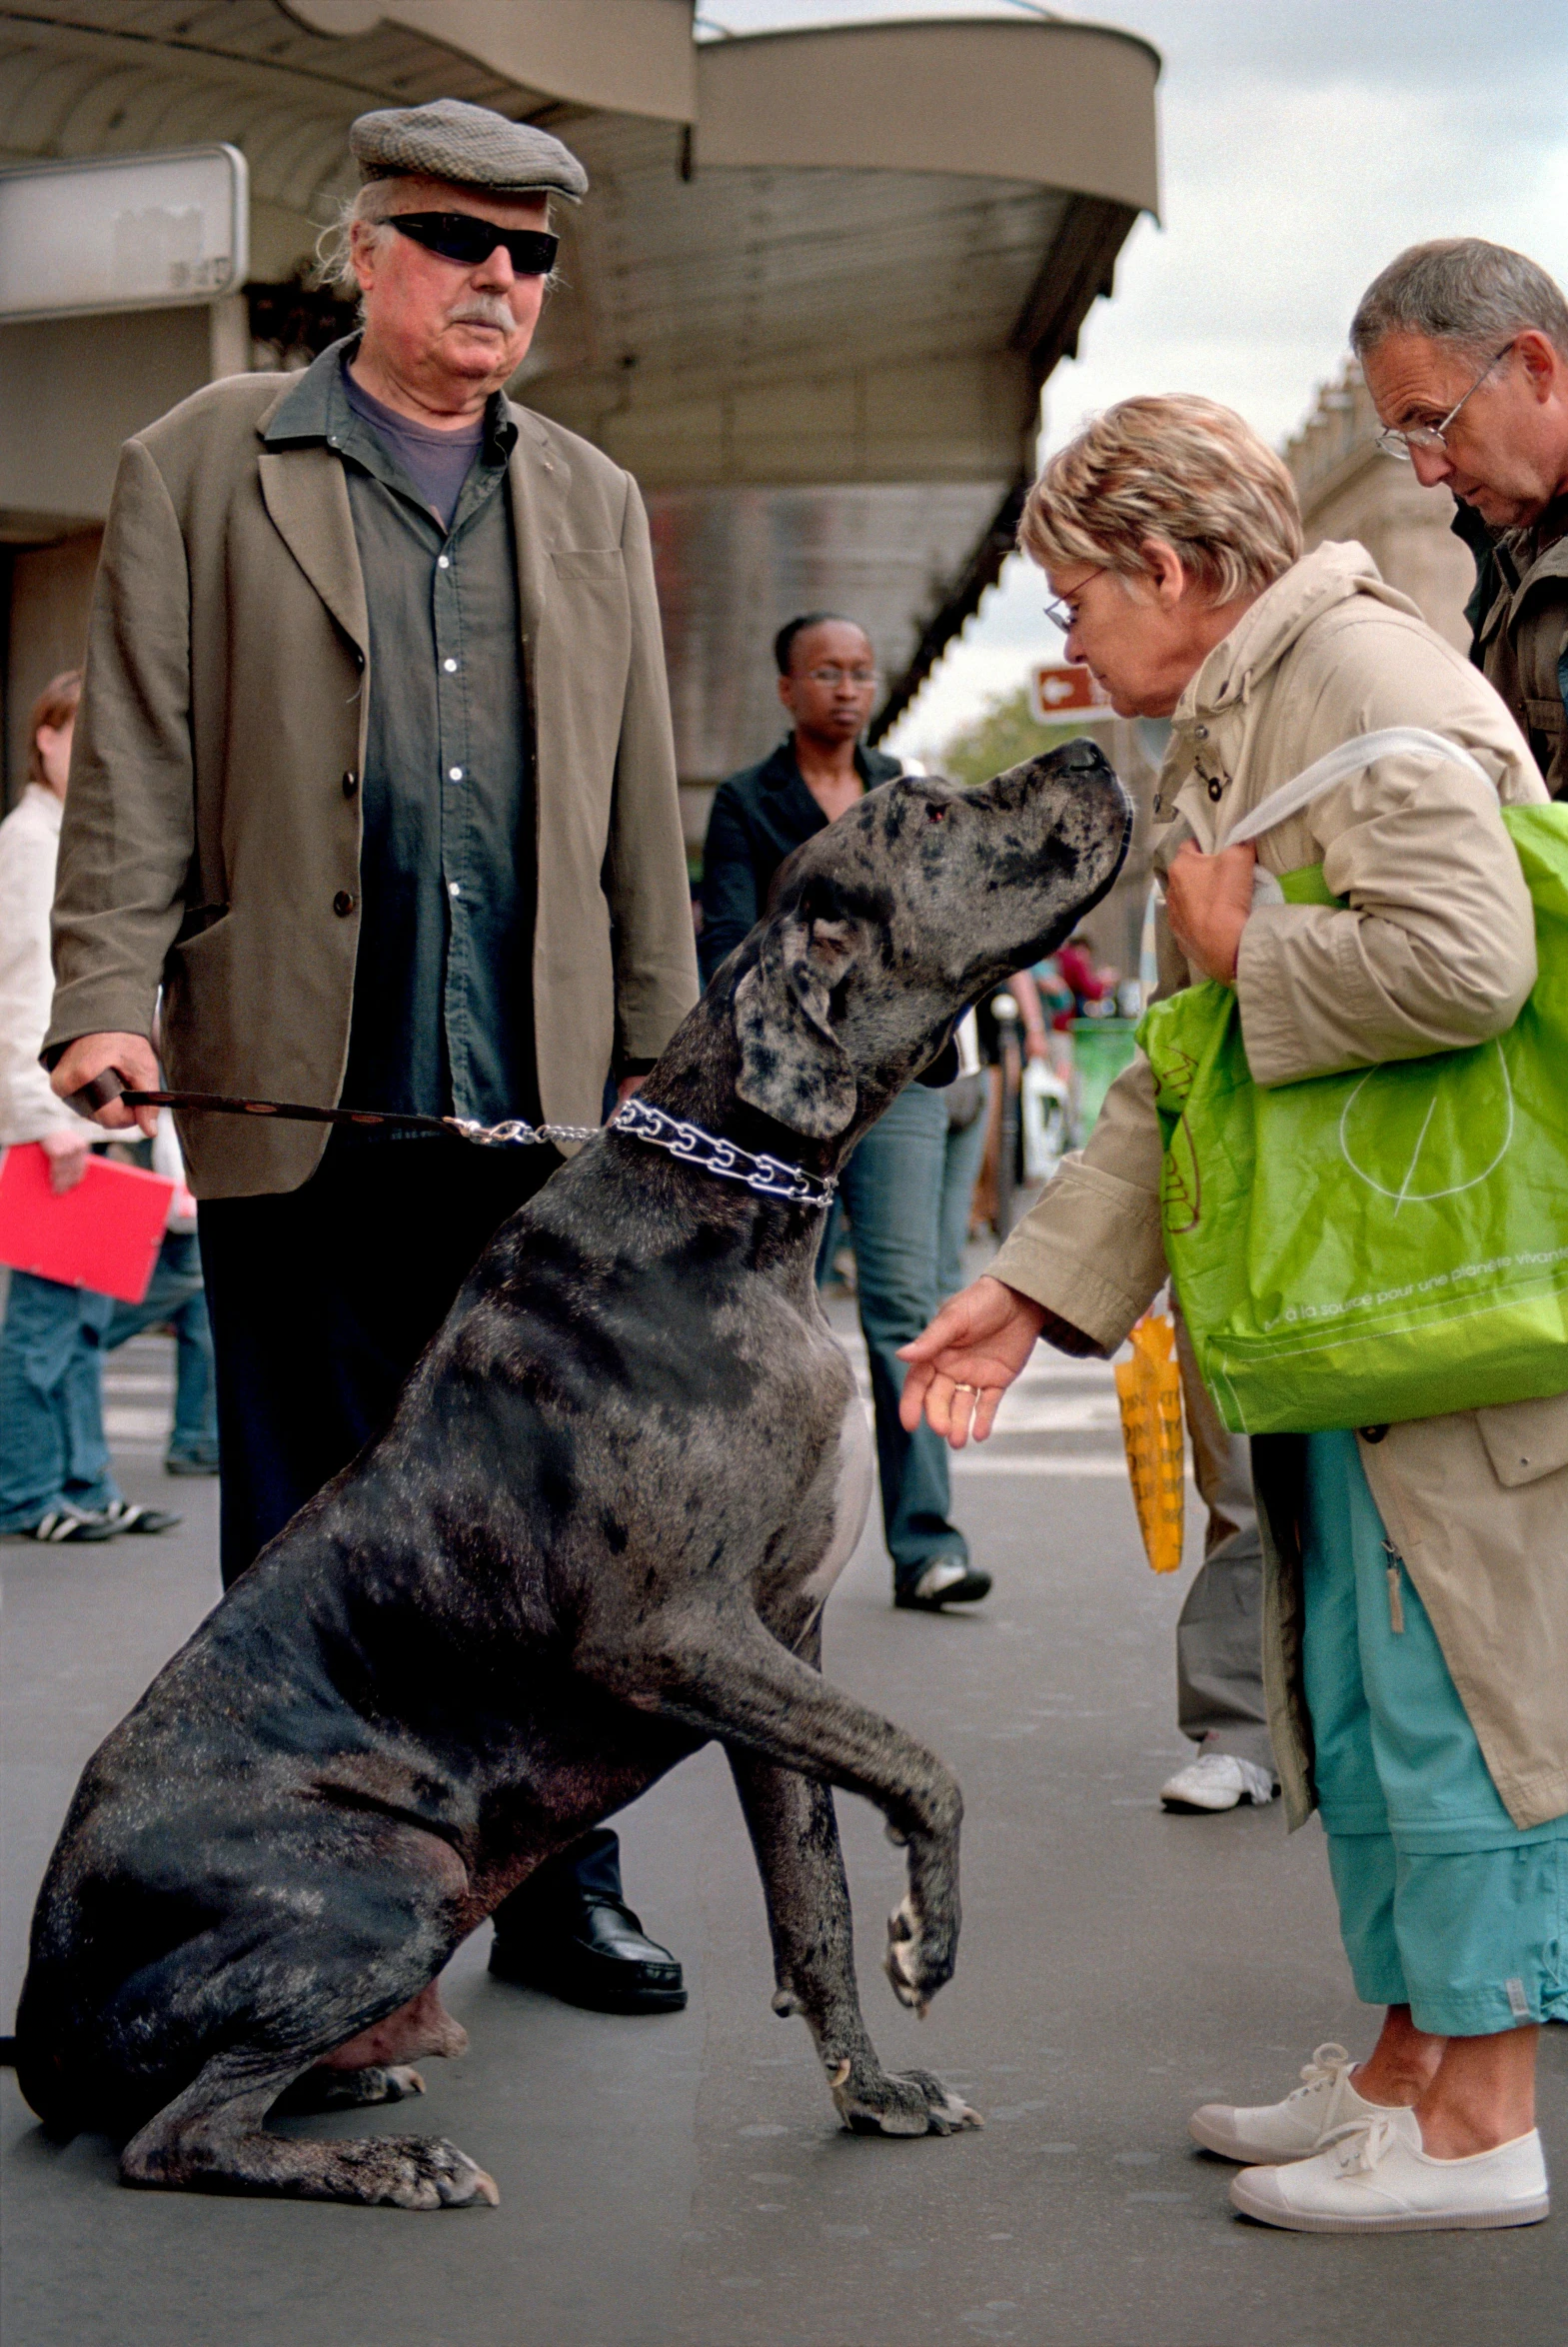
(341, 2090)
(414, 2171)
(912, 2102)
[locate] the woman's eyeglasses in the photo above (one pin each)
(460, 236)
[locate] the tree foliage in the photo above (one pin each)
(1004, 736)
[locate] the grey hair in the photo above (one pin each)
(1463, 290)
(371, 205)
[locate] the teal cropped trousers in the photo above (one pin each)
(1445, 1906)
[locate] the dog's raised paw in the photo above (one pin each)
(902, 1962)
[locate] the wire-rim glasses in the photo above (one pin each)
(1430, 437)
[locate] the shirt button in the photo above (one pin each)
(450, 667)
(454, 774)
(343, 903)
(1217, 790)
(351, 783)
(454, 888)
(443, 562)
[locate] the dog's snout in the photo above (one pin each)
(1082, 756)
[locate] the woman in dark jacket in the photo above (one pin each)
(893, 1182)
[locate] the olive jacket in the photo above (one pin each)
(1434, 951)
(212, 836)
(1521, 639)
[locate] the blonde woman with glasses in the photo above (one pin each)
(1417, 1609)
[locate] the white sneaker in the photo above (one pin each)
(1218, 1780)
(1375, 2178)
(1324, 2102)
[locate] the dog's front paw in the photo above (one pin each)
(919, 1961)
(913, 2102)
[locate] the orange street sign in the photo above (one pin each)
(1065, 690)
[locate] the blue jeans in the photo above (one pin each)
(893, 1187)
(1445, 1906)
(177, 1296)
(52, 1447)
(961, 1156)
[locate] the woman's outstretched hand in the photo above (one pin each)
(968, 1356)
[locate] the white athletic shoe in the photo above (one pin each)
(1323, 2103)
(1373, 2178)
(1218, 1780)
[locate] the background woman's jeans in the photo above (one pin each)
(52, 1447)
(893, 1187)
(177, 1297)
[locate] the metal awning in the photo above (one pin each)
(820, 275)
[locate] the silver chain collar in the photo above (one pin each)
(769, 1177)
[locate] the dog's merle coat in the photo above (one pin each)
(599, 1532)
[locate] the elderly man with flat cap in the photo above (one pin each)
(374, 778)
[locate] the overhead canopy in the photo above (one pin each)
(809, 262)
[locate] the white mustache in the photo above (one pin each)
(483, 309)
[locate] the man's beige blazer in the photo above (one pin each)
(211, 833)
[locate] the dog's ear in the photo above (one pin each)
(792, 1066)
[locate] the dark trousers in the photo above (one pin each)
(322, 1300)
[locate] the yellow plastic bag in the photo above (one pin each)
(1148, 1386)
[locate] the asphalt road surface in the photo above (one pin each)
(682, 2182)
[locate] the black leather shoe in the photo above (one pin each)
(598, 1956)
(943, 1580)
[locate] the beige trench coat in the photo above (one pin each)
(1436, 950)
(213, 817)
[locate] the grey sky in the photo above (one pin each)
(1304, 144)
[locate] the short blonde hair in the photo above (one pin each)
(1176, 468)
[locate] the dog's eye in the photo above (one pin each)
(935, 813)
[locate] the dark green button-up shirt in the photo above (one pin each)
(442, 1012)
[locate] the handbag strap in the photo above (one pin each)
(1350, 758)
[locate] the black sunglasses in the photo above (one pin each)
(459, 236)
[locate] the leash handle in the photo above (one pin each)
(101, 1090)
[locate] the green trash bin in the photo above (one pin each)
(1102, 1048)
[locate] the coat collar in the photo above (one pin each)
(1331, 573)
(307, 496)
(778, 769)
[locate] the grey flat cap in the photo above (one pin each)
(466, 144)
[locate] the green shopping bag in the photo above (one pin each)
(1385, 1244)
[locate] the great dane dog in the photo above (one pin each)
(599, 1533)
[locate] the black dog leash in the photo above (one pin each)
(769, 1177)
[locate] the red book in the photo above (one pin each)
(104, 1235)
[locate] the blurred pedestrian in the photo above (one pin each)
(376, 713)
(892, 1186)
(1417, 1609)
(1220, 1703)
(175, 1300)
(1464, 345)
(56, 1483)
(966, 1101)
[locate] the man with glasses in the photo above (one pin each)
(1464, 345)
(375, 777)
(892, 1183)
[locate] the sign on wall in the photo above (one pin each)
(123, 232)
(1063, 691)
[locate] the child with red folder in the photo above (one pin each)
(55, 1480)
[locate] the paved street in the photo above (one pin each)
(682, 2182)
